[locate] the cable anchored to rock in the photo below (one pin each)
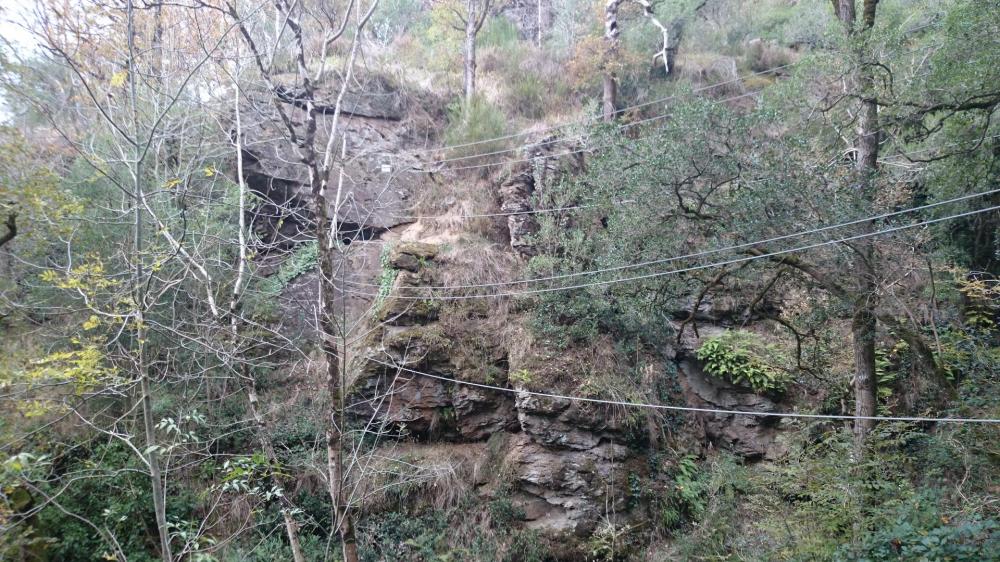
(704, 253)
(692, 409)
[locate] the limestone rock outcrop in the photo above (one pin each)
(563, 459)
(752, 437)
(547, 160)
(379, 178)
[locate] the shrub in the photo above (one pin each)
(686, 499)
(499, 33)
(522, 376)
(611, 543)
(443, 535)
(738, 357)
(763, 56)
(387, 276)
(525, 95)
(711, 496)
(301, 261)
(473, 122)
(921, 532)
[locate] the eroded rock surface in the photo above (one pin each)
(753, 437)
(563, 459)
(379, 176)
(564, 490)
(549, 159)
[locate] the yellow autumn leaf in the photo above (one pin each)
(118, 78)
(92, 323)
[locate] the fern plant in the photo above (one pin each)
(740, 358)
(387, 275)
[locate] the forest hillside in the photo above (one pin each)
(500, 280)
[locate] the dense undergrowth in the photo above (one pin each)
(752, 149)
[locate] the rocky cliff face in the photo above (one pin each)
(548, 160)
(561, 459)
(378, 181)
(752, 437)
(565, 465)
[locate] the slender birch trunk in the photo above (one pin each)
(611, 38)
(469, 80)
(139, 298)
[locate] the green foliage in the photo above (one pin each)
(503, 513)
(725, 27)
(387, 276)
(834, 507)
(499, 33)
(821, 503)
(527, 95)
(30, 191)
(85, 368)
(968, 351)
(447, 536)
(263, 300)
(273, 547)
(611, 543)
(472, 122)
(611, 235)
(718, 490)
(522, 376)
(115, 496)
(393, 18)
(741, 358)
(921, 533)
(301, 261)
(686, 499)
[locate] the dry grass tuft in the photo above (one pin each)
(433, 475)
(478, 261)
(706, 68)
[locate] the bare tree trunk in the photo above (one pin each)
(318, 163)
(291, 526)
(11, 224)
(470, 54)
(863, 330)
(610, 97)
(844, 10)
(611, 37)
(157, 45)
(335, 384)
(476, 12)
(139, 299)
(864, 322)
(538, 35)
(349, 540)
(263, 437)
(864, 325)
(149, 427)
